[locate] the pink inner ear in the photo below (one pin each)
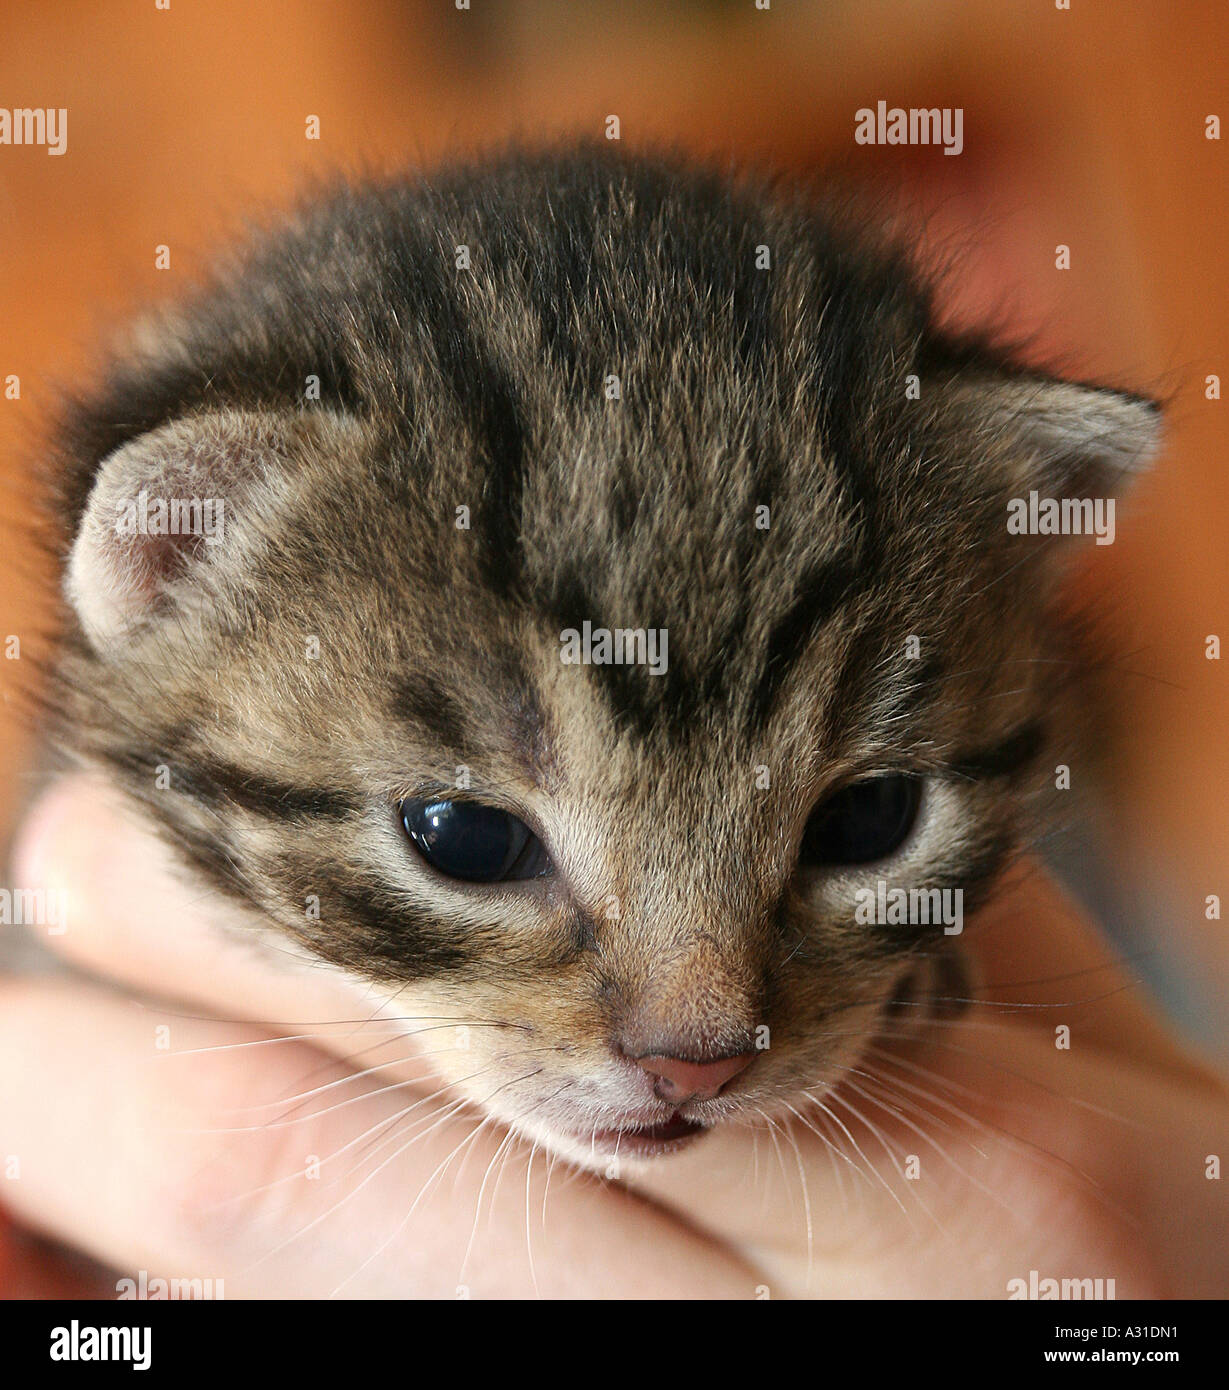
(125, 554)
(148, 561)
(160, 505)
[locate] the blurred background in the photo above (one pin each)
(1085, 127)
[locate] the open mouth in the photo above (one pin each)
(647, 1140)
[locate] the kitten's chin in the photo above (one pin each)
(642, 1141)
(608, 1150)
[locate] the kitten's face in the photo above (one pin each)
(828, 556)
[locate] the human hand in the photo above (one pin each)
(206, 1107)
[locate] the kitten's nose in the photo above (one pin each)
(676, 1079)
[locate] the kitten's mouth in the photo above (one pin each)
(647, 1141)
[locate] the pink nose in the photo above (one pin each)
(677, 1080)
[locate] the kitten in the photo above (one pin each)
(353, 530)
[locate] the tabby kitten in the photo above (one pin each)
(337, 528)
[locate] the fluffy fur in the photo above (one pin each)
(349, 643)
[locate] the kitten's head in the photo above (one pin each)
(454, 434)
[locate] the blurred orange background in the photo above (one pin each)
(1084, 127)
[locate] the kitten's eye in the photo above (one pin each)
(480, 844)
(862, 822)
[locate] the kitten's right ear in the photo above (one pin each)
(172, 513)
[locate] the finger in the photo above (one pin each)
(966, 1165)
(1038, 956)
(883, 1140)
(133, 916)
(175, 1161)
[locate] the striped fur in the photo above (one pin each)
(677, 907)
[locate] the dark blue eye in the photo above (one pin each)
(862, 822)
(480, 844)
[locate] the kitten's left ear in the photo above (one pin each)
(1059, 437)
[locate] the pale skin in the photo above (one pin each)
(1086, 1161)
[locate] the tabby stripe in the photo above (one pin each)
(214, 783)
(824, 588)
(419, 698)
(409, 942)
(753, 311)
(487, 399)
(1001, 759)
